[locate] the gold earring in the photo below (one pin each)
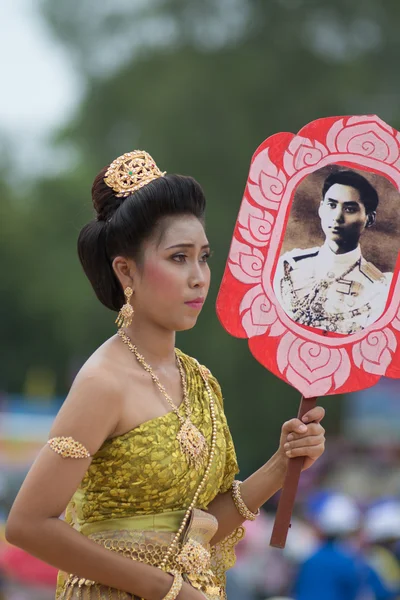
(125, 315)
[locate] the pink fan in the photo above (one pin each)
(312, 274)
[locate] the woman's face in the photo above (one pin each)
(172, 284)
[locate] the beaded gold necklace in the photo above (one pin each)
(211, 453)
(192, 442)
(206, 472)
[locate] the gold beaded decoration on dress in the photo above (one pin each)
(192, 442)
(194, 558)
(130, 172)
(67, 447)
(203, 480)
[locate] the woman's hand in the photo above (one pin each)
(303, 438)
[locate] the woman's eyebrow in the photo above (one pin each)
(186, 245)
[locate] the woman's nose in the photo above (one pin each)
(197, 278)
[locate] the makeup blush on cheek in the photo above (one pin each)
(160, 279)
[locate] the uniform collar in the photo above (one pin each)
(340, 260)
(336, 263)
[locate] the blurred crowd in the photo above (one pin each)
(337, 550)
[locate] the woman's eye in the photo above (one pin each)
(183, 257)
(179, 257)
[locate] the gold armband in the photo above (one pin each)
(176, 586)
(240, 505)
(67, 447)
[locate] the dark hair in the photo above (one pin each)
(368, 194)
(123, 224)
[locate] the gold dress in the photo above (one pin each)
(136, 491)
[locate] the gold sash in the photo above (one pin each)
(146, 539)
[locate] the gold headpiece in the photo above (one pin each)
(131, 171)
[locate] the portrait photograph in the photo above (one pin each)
(340, 249)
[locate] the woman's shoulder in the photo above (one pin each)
(101, 369)
(92, 408)
(98, 382)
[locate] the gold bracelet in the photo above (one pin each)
(240, 505)
(176, 586)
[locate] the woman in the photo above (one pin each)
(140, 452)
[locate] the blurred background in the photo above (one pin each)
(199, 85)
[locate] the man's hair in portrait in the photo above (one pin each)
(368, 194)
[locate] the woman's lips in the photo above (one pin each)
(197, 303)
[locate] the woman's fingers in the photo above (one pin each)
(315, 414)
(298, 426)
(314, 440)
(294, 426)
(310, 451)
(312, 429)
(301, 439)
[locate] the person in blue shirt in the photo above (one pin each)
(333, 571)
(337, 570)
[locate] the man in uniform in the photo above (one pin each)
(333, 287)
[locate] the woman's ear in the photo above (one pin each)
(125, 269)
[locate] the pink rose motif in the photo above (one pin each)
(255, 225)
(374, 352)
(367, 136)
(245, 262)
(269, 181)
(312, 368)
(303, 153)
(259, 314)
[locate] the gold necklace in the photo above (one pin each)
(192, 442)
(202, 483)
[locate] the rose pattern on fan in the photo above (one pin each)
(374, 353)
(313, 361)
(320, 366)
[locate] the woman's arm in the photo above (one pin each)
(58, 544)
(89, 415)
(298, 439)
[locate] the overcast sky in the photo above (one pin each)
(39, 87)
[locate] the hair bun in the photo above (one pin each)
(104, 200)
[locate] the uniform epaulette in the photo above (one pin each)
(310, 255)
(299, 254)
(371, 271)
